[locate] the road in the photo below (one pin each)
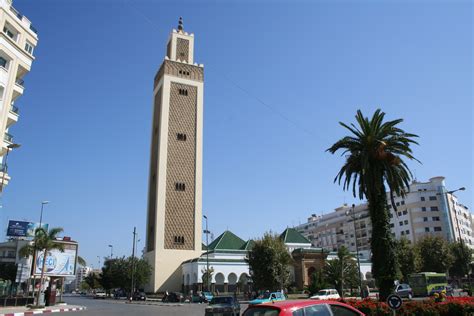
(119, 307)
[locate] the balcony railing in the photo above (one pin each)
(8, 138)
(33, 29)
(14, 109)
(20, 82)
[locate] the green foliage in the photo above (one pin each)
(117, 273)
(342, 272)
(206, 281)
(374, 152)
(434, 254)
(268, 263)
(406, 257)
(92, 281)
(8, 271)
(462, 255)
(317, 283)
(81, 261)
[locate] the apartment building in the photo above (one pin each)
(18, 40)
(429, 208)
(81, 273)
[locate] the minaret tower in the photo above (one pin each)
(174, 217)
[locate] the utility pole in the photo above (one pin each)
(207, 256)
(133, 264)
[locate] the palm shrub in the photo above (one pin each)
(374, 151)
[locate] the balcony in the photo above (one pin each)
(12, 117)
(8, 138)
(20, 82)
(18, 88)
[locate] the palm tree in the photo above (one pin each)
(44, 242)
(341, 270)
(374, 154)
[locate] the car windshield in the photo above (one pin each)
(262, 311)
(322, 293)
(265, 295)
(207, 293)
(439, 287)
(221, 300)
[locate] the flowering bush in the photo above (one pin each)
(453, 306)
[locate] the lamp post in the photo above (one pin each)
(207, 254)
(352, 215)
(111, 251)
(5, 166)
(133, 264)
(98, 258)
(43, 203)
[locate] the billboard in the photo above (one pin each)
(22, 228)
(58, 263)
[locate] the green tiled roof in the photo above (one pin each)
(248, 245)
(227, 241)
(203, 246)
(292, 236)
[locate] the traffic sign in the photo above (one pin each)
(394, 301)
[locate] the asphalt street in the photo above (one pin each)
(119, 307)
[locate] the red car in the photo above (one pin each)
(302, 308)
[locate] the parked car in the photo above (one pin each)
(302, 307)
(100, 294)
(223, 306)
(268, 297)
(326, 294)
(173, 297)
(139, 296)
(404, 291)
(207, 296)
(438, 289)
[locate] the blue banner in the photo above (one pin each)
(23, 229)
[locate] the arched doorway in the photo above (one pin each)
(311, 271)
(232, 282)
(220, 279)
(244, 283)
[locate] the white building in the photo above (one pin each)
(81, 273)
(429, 208)
(18, 40)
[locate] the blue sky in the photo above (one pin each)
(278, 78)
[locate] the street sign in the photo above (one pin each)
(394, 301)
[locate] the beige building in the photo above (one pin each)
(429, 208)
(174, 217)
(18, 40)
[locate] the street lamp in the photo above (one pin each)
(5, 166)
(352, 215)
(43, 203)
(207, 254)
(98, 258)
(111, 251)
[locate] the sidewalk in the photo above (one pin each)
(21, 311)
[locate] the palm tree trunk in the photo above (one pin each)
(42, 277)
(384, 264)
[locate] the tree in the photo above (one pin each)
(462, 257)
(406, 258)
(8, 271)
(117, 273)
(374, 153)
(317, 283)
(44, 242)
(92, 281)
(205, 279)
(342, 271)
(81, 261)
(434, 254)
(269, 263)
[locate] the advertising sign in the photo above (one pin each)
(58, 263)
(23, 229)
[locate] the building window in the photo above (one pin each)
(185, 73)
(434, 208)
(29, 48)
(183, 92)
(399, 213)
(423, 209)
(405, 212)
(436, 218)
(3, 62)
(437, 229)
(179, 240)
(180, 186)
(391, 225)
(407, 232)
(402, 202)
(400, 223)
(427, 229)
(397, 204)
(432, 198)
(9, 32)
(403, 233)
(422, 198)
(181, 137)
(425, 219)
(406, 222)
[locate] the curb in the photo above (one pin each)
(46, 311)
(153, 303)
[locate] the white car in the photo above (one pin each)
(326, 294)
(100, 294)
